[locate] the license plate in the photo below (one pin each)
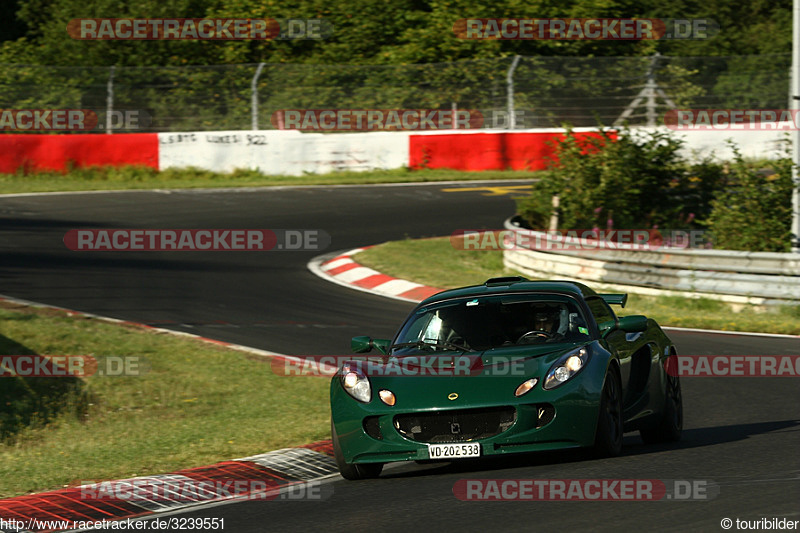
(454, 451)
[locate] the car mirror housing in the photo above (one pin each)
(364, 344)
(382, 345)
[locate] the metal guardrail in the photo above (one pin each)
(760, 278)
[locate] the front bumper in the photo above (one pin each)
(369, 432)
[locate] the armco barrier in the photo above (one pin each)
(61, 152)
(758, 278)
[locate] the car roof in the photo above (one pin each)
(515, 284)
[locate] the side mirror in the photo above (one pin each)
(633, 323)
(364, 344)
(382, 345)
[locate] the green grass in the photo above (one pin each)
(133, 177)
(446, 267)
(198, 404)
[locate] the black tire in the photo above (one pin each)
(352, 471)
(671, 425)
(608, 436)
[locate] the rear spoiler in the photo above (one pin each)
(615, 299)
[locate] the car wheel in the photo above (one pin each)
(608, 437)
(352, 471)
(671, 425)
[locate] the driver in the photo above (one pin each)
(542, 323)
(545, 321)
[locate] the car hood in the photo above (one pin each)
(468, 363)
(497, 356)
(463, 380)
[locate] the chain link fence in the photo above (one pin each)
(542, 91)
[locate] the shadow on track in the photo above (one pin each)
(633, 446)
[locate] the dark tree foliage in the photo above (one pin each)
(372, 31)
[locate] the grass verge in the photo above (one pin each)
(133, 177)
(446, 267)
(198, 404)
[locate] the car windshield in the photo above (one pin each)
(493, 321)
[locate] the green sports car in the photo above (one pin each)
(510, 366)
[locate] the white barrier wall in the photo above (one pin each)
(286, 152)
(751, 143)
(292, 153)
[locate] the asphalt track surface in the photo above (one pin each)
(741, 436)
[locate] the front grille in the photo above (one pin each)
(545, 413)
(372, 427)
(456, 425)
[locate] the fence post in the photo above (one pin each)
(512, 122)
(650, 90)
(109, 100)
(254, 96)
(794, 103)
(647, 95)
(554, 214)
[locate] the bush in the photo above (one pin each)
(638, 180)
(753, 209)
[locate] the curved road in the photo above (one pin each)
(742, 434)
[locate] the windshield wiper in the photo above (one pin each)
(423, 344)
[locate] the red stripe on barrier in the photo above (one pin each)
(236, 470)
(322, 446)
(419, 293)
(486, 151)
(77, 503)
(73, 507)
(336, 259)
(342, 268)
(372, 281)
(66, 504)
(60, 152)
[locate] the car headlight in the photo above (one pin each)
(356, 383)
(566, 368)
